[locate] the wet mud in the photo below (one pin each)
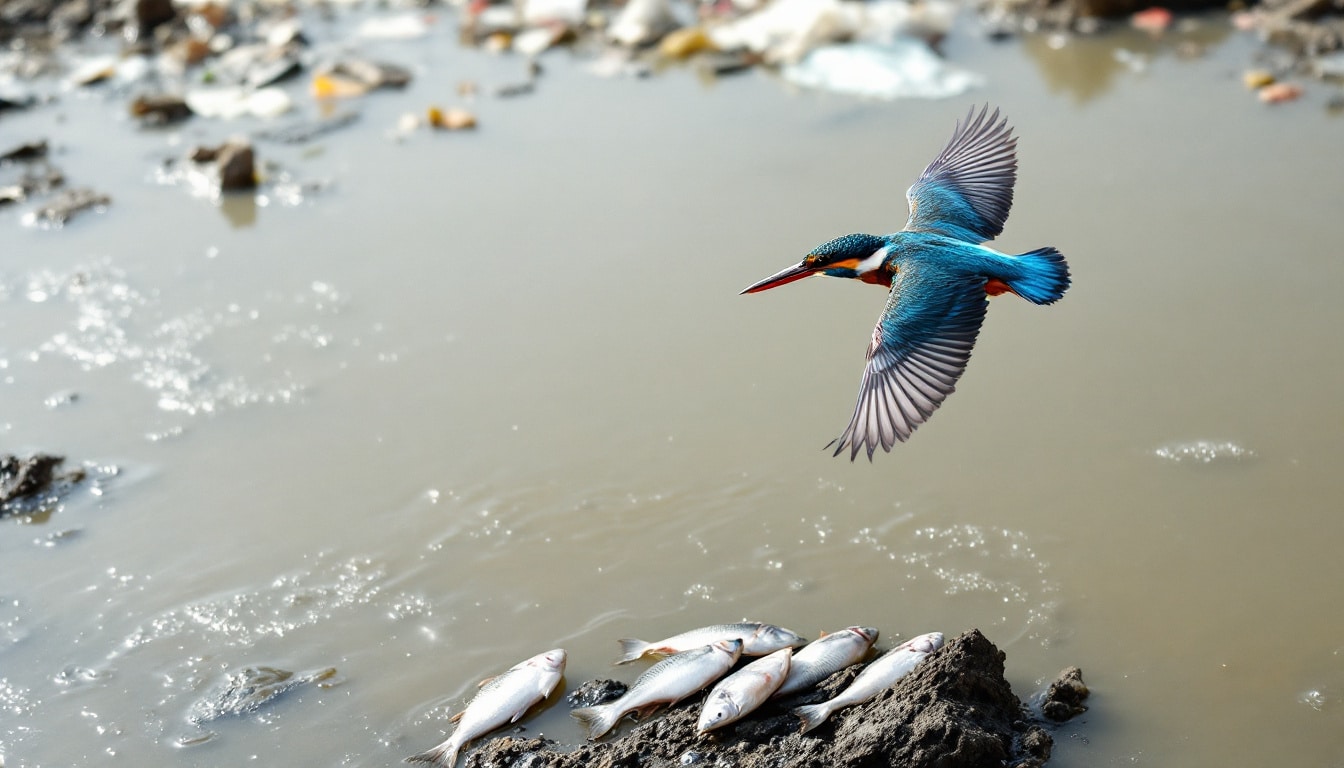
(33, 484)
(955, 710)
(252, 688)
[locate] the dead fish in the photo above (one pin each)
(875, 678)
(757, 640)
(737, 695)
(825, 656)
(501, 700)
(666, 682)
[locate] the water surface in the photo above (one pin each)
(465, 398)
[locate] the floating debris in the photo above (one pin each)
(366, 73)
(406, 26)
(1204, 452)
(511, 90)
(56, 213)
(1277, 93)
(685, 42)
(642, 22)
(1256, 79)
(905, 69)
(1154, 20)
(451, 119)
(230, 103)
(160, 109)
(307, 130)
(251, 688)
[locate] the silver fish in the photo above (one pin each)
(825, 656)
(875, 678)
(501, 700)
(757, 640)
(666, 682)
(740, 693)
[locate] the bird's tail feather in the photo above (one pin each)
(1042, 276)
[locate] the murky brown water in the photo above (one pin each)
(490, 394)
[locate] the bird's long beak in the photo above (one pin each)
(782, 277)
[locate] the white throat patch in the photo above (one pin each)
(873, 262)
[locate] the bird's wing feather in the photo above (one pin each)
(920, 348)
(967, 190)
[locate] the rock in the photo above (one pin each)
(151, 13)
(955, 710)
(160, 109)
(1065, 697)
(66, 205)
(248, 689)
(237, 166)
(595, 692)
(29, 151)
(32, 484)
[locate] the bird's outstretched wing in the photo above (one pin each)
(920, 348)
(967, 190)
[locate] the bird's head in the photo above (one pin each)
(859, 257)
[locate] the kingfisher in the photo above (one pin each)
(940, 276)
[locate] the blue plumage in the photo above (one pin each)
(940, 278)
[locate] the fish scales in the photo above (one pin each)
(666, 682)
(742, 692)
(825, 656)
(500, 701)
(758, 639)
(875, 678)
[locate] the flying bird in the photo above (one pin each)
(940, 276)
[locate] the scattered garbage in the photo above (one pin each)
(56, 212)
(906, 68)
(451, 119)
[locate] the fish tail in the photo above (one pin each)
(443, 755)
(631, 649)
(812, 715)
(598, 720)
(1040, 276)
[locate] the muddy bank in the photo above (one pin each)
(954, 710)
